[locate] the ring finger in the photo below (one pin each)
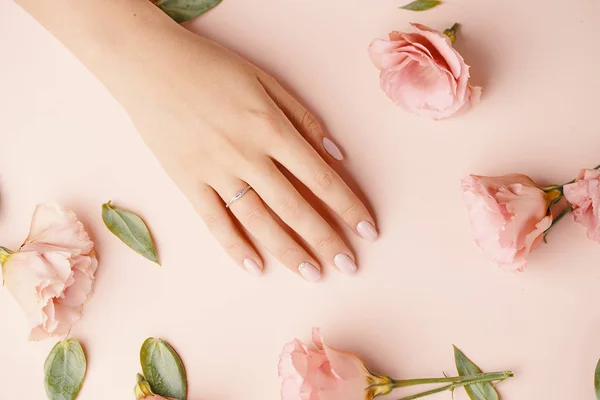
(258, 221)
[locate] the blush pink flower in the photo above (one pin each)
(51, 275)
(423, 73)
(323, 373)
(584, 196)
(509, 215)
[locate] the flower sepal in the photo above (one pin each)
(142, 389)
(4, 256)
(379, 385)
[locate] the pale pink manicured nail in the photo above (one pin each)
(332, 149)
(367, 230)
(253, 267)
(345, 264)
(309, 272)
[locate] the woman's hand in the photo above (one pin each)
(217, 124)
(220, 124)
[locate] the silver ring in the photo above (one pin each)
(238, 195)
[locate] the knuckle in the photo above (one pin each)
(284, 253)
(211, 220)
(350, 209)
(265, 121)
(324, 177)
(234, 247)
(327, 241)
(310, 123)
(290, 206)
(253, 216)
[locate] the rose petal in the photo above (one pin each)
(59, 226)
(443, 45)
(584, 196)
(508, 215)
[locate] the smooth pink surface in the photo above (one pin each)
(422, 286)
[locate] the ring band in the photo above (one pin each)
(238, 195)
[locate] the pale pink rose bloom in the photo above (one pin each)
(584, 196)
(423, 73)
(322, 373)
(51, 275)
(509, 215)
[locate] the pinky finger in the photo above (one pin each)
(304, 122)
(220, 223)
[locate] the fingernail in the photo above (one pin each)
(309, 272)
(253, 267)
(332, 149)
(367, 230)
(345, 264)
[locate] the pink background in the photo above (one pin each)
(422, 287)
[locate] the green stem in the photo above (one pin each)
(557, 219)
(560, 187)
(453, 386)
(490, 376)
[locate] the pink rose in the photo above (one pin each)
(509, 215)
(51, 275)
(423, 73)
(324, 373)
(584, 196)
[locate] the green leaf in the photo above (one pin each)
(184, 10)
(597, 380)
(64, 370)
(421, 5)
(476, 391)
(163, 369)
(131, 229)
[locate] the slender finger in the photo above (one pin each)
(258, 221)
(306, 164)
(283, 198)
(212, 210)
(305, 122)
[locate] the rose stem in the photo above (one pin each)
(504, 375)
(490, 376)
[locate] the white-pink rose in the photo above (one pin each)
(423, 73)
(584, 196)
(325, 373)
(51, 275)
(509, 215)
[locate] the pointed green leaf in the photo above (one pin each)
(184, 10)
(597, 380)
(131, 229)
(64, 370)
(476, 391)
(163, 369)
(421, 5)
